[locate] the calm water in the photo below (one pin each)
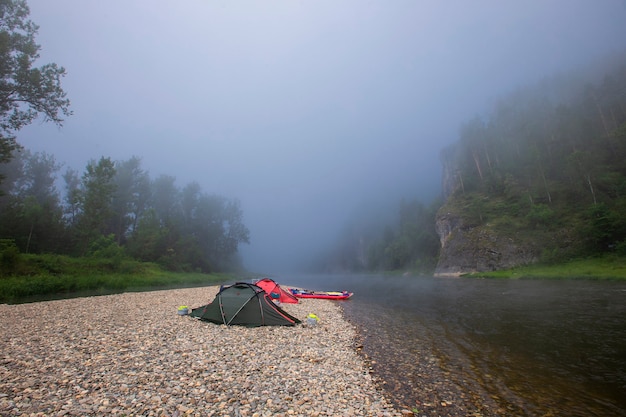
(494, 347)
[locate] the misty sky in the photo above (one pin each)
(307, 111)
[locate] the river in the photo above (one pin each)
(462, 347)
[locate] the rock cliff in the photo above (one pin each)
(466, 249)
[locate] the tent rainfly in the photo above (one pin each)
(276, 292)
(244, 304)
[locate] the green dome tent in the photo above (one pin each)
(246, 305)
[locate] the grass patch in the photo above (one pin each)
(53, 277)
(609, 267)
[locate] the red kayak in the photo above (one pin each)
(326, 295)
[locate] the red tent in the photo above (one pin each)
(275, 291)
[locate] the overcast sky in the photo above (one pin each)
(304, 110)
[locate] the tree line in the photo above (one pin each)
(114, 209)
(411, 243)
(407, 241)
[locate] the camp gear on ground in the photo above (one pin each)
(312, 319)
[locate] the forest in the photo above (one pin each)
(547, 167)
(115, 210)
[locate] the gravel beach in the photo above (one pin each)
(132, 355)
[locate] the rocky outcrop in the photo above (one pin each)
(470, 247)
(467, 249)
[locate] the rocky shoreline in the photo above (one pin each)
(131, 354)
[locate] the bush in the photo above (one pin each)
(107, 249)
(540, 215)
(620, 248)
(10, 257)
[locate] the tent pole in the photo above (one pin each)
(261, 308)
(237, 312)
(219, 300)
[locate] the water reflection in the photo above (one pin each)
(492, 347)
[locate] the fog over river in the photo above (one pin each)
(456, 346)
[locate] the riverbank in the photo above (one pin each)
(46, 277)
(608, 267)
(131, 354)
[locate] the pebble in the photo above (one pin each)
(131, 354)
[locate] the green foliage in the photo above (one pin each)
(603, 228)
(107, 249)
(149, 240)
(540, 215)
(130, 199)
(10, 257)
(620, 248)
(553, 256)
(114, 212)
(413, 243)
(96, 200)
(31, 211)
(25, 91)
(547, 167)
(609, 267)
(55, 276)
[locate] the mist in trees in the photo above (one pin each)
(549, 161)
(546, 167)
(404, 241)
(116, 209)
